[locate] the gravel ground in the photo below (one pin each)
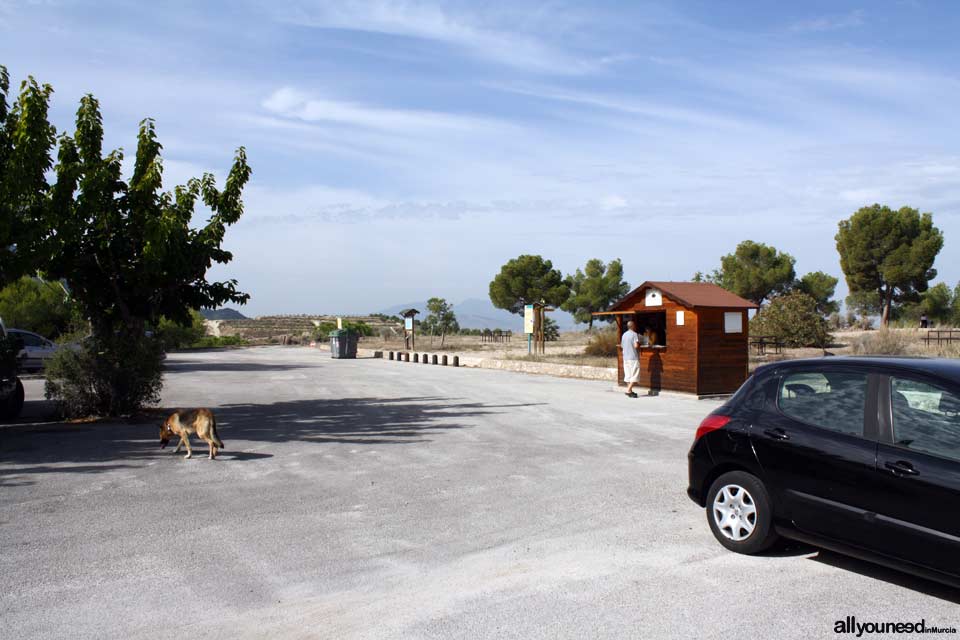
(374, 499)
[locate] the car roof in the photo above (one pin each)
(946, 368)
(24, 331)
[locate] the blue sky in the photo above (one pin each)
(403, 150)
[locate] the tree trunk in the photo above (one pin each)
(443, 336)
(590, 325)
(887, 299)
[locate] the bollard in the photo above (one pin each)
(433, 360)
(391, 355)
(406, 357)
(425, 359)
(443, 361)
(416, 357)
(456, 361)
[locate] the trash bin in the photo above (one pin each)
(343, 344)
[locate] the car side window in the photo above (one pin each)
(30, 340)
(926, 417)
(826, 399)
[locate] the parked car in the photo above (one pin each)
(11, 389)
(857, 455)
(36, 349)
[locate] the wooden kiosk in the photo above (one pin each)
(698, 336)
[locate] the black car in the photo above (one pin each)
(857, 455)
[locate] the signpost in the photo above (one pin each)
(409, 328)
(528, 324)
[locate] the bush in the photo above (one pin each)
(603, 343)
(115, 376)
(177, 336)
(793, 319)
(884, 342)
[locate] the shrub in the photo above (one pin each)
(793, 319)
(883, 342)
(178, 336)
(113, 376)
(603, 343)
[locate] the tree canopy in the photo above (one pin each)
(41, 307)
(594, 289)
(127, 250)
(820, 286)
(440, 319)
(26, 142)
(887, 256)
(755, 271)
(527, 279)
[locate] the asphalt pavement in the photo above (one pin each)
(375, 499)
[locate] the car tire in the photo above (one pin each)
(740, 513)
(14, 404)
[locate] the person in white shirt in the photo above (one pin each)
(630, 343)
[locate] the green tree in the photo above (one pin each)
(38, 306)
(888, 254)
(440, 319)
(755, 271)
(26, 142)
(127, 251)
(793, 318)
(594, 289)
(525, 280)
(820, 286)
(937, 303)
(955, 306)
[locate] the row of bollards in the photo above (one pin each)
(404, 356)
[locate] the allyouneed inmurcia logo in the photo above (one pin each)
(850, 625)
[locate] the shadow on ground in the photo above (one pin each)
(192, 366)
(98, 447)
(879, 572)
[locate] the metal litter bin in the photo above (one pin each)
(343, 343)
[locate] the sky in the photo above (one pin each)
(404, 150)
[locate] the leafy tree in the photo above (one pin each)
(793, 318)
(42, 307)
(525, 280)
(127, 251)
(440, 319)
(888, 254)
(594, 289)
(26, 141)
(937, 303)
(755, 271)
(820, 286)
(955, 306)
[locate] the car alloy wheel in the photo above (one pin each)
(740, 513)
(735, 512)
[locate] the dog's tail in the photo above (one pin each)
(216, 436)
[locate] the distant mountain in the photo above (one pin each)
(222, 314)
(477, 313)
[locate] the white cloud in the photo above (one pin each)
(293, 103)
(419, 20)
(829, 23)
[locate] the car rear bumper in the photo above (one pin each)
(699, 463)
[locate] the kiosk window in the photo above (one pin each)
(652, 328)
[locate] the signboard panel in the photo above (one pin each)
(680, 318)
(408, 324)
(528, 318)
(733, 322)
(653, 298)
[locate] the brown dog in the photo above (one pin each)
(183, 423)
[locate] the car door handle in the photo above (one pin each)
(901, 468)
(776, 434)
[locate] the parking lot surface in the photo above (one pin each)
(376, 499)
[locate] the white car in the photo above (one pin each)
(36, 349)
